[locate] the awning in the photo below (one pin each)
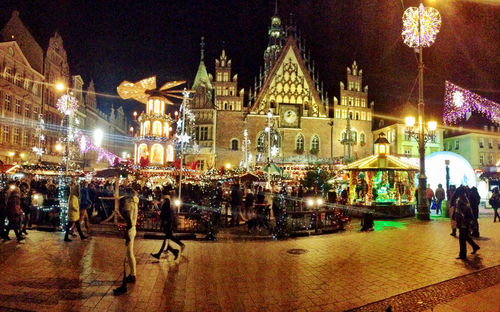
(273, 169)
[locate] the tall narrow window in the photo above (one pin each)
(299, 144)
(234, 144)
(362, 138)
(315, 144)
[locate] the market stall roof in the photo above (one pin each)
(110, 172)
(381, 162)
(8, 168)
(248, 177)
(492, 176)
(273, 169)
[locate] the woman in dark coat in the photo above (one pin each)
(14, 212)
(464, 217)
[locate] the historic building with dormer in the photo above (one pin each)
(287, 106)
(28, 95)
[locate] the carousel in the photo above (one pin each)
(383, 183)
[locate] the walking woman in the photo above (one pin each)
(74, 212)
(464, 217)
(495, 203)
(14, 212)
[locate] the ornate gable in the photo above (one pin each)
(289, 82)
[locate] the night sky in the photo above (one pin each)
(112, 41)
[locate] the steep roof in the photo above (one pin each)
(202, 79)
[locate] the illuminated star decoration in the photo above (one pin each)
(274, 150)
(459, 102)
(38, 151)
(67, 104)
(42, 137)
(183, 138)
(420, 26)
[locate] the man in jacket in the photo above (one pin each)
(464, 217)
(440, 195)
(169, 223)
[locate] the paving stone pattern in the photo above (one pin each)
(336, 272)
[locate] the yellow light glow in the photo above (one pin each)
(310, 202)
(22, 155)
(60, 86)
(432, 125)
(410, 121)
(381, 149)
(11, 154)
(58, 147)
(320, 201)
(35, 196)
(177, 202)
(12, 187)
(131, 129)
(228, 166)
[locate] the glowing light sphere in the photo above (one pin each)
(67, 104)
(461, 172)
(420, 26)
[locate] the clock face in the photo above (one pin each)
(290, 116)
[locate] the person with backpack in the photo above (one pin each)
(464, 217)
(495, 203)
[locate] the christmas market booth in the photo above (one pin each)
(383, 184)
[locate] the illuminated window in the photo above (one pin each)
(337, 113)
(226, 77)
(315, 143)
(362, 138)
(17, 134)
(344, 114)
(299, 144)
(357, 115)
(363, 103)
(166, 129)
(18, 106)
(344, 100)
(147, 128)
(369, 116)
(6, 134)
(8, 102)
(170, 153)
(203, 133)
(363, 115)
(25, 138)
(356, 101)
(219, 78)
(27, 111)
(157, 128)
(157, 154)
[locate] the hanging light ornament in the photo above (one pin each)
(420, 26)
(67, 104)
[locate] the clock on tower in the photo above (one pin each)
(289, 116)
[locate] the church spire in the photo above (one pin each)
(276, 40)
(202, 45)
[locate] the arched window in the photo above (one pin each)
(362, 138)
(261, 142)
(157, 154)
(315, 143)
(157, 128)
(234, 144)
(150, 106)
(299, 143)
(157, 106)
(170, 153)
(354, 136)
(147, 128)
(357, 115)
(142, 152)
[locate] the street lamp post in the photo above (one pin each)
(422, 135)
(420, 27)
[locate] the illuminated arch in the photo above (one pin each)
(142, 152)
(147, 128)
(157, 128)
(170, 153)
(157, 154)
(157, 106)
(165, 129)
(150, 106)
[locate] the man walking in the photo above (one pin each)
(464, 215)
(440, 195)
(85, 206)
(169, 223)
(429, 194)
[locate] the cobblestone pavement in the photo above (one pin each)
(333, 272)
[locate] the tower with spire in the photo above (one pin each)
(277, 37)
